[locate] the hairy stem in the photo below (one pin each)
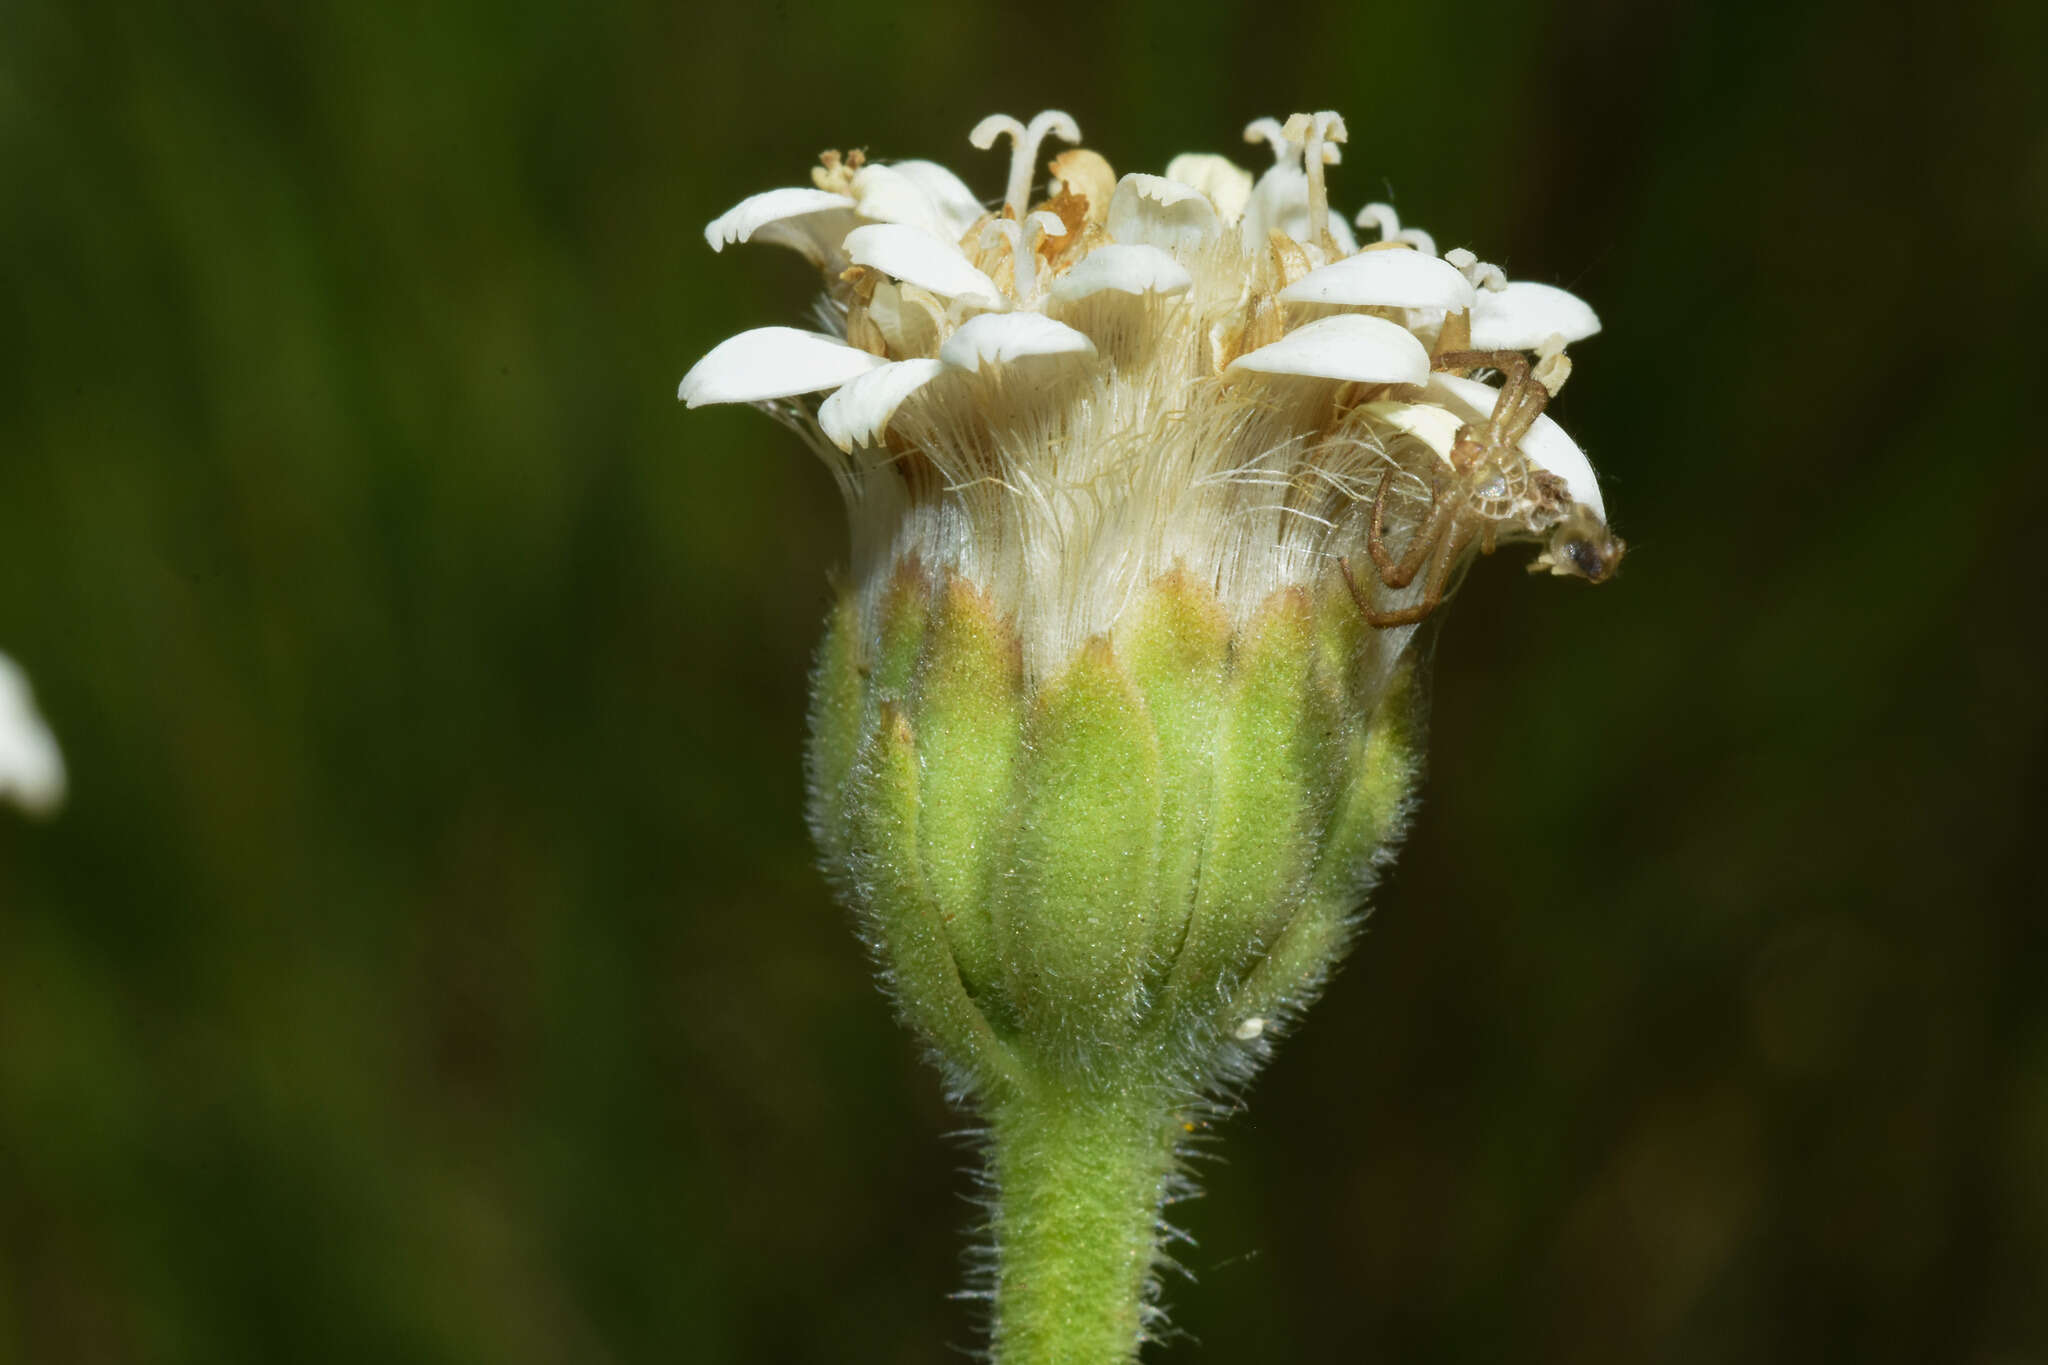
(1080, 1174)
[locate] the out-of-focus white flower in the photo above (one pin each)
(31, 766)
(1064, 400)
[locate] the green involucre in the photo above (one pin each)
(1168, 837)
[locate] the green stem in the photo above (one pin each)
(1080, 1175)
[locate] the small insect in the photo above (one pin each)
(1490, 488)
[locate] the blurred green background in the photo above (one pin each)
(431, 967)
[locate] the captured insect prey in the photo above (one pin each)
(1476, 489)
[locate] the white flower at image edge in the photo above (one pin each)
(31, 766)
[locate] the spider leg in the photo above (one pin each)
(1507, 362)
(1374, 617)
(1522, 396)
(1400, 573)
(1446, 558)
(1530, 400)
(1444, 550)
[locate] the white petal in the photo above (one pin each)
(772, 362)
(859, 413)
(31, 765)
(918, 257)
(905, 314)
(958, 209)
(1280, 201)
(1000, 338)
(886, 195)
(778, 216)
(1281, 189)
(1126, 269)
(1435, 427)
(1349, 346)
(1468, 396)
(1524, 315)
(1228, 185)
(1549, 447)
(1150, 210)
(1546, 444)
(1396, 278)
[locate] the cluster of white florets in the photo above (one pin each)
(1065, 399)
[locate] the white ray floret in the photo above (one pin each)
(917, 257)
(791, 217)
(921, 193)
(1124, 270)
(908, 318)
(772, 362)
(1280, 203)
(1524, 315)
(1290, 199)
(1350, 346)
(1393, 278)
(1435, 427)
(1228, 185)
(31, 765)
(858, 413)
(993, 339)
(1151, 210)
(1546, 444)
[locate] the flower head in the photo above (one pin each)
(1064, 399)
